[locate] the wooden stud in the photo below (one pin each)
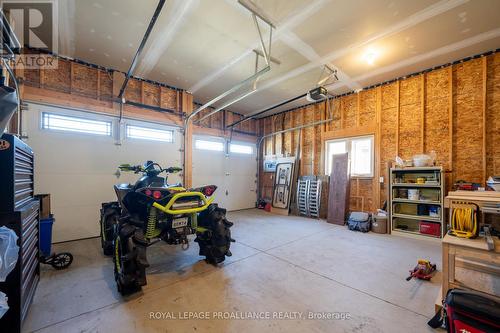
(142, 92)
(398, 107)
(422, 113)
(98, 85)
(485, 78)
(187, 108)
(358, 105)
(377, 160)
(450, 119)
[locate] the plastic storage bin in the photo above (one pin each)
(46, 235)
(430, 228)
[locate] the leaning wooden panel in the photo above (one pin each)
(493, 116)
(57, 79)
(468, 122)
(367, 107)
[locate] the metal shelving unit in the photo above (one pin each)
(404, 211)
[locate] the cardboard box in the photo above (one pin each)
(44, 205)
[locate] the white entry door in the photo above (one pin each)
(241, 172)
(234, 172)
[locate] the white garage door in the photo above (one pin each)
(77, 169)
(233, 172)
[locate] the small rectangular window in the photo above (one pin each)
(360, 150)
(209, 145)
(74, 124)
(137, 132)
(240, 149)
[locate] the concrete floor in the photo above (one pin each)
(280, 266)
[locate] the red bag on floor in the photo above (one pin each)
(470, 311)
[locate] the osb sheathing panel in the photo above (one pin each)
(436, 134)
(216, 120)
(57, 79)
(32, 77)
(468, 121)
(168, 98)
(493, 116)
(349, 108)
(277, 138)
(205, 122)
(151, 94)
(105, 85)
(335, 113)
(133, 91)
(410, 115)
(287, 137)
(308, 136)
(317, 137)
(367, 107)
(84, 81)
(366, 191)
(389, 96)
(268, 141)
(297, 120)
(409, 130)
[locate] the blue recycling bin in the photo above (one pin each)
(46, 235)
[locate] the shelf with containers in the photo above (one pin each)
(416, 196)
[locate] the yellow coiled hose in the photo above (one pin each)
(464, 222)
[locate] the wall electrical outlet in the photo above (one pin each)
(381, 179)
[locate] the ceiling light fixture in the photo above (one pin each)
(370, 56)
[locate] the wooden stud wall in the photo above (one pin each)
(454, 111)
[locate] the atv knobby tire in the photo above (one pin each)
(110, 213)
(130, 275)
(214, 236)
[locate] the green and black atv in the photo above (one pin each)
(151, 211)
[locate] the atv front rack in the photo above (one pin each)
(169, 209)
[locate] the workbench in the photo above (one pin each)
(468, 264)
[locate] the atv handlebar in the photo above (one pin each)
(148, 168)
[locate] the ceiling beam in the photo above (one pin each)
(294, 20)
(163, 39)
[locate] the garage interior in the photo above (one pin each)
(333, 166)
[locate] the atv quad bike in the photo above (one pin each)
(151, 211)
